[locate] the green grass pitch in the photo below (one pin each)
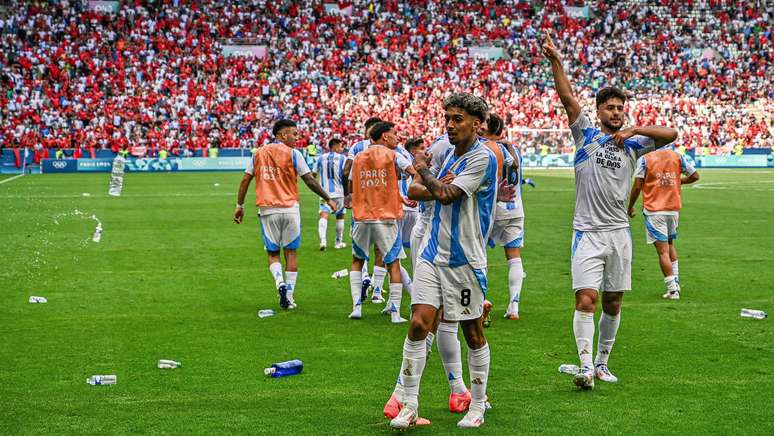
(174, 278)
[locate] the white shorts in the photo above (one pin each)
(384, 236)
(339, 207)
(407, 226)
(281, 230)
(602, 260)
(508, 233)
(661, 228)
(417, 233)
(461, 291)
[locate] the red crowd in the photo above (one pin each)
(154, 74)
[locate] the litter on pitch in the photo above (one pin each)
(216, 184)
(340, 274)
(98, 380)
(568, 368)
(752, 313)
(265, 313)
(34, 299)
(168, 364)
(86, 194)
(284, 369)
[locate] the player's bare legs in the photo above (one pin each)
(665, 251)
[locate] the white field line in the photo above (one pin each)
(11, 178)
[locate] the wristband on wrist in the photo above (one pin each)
(240, 206)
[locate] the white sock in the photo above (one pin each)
(451, 356)
(339, 230)
(364, 270)
(276, 272)
(478, 366)
(406, 279)
(674, 271)
(429, 341)
(378, 279)
(583, 328)
(515, 279)
(355, 284)
(608, 326)
(322, 229)
(414, 357)
(671, 283)
(396, 293)
(290, 280)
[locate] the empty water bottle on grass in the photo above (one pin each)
(265, 313)
(568, 368)
(34, 299)
(97, 233)
(282, 369)
(168, 364)
(97, 380)
(752, 313)
(340, 274)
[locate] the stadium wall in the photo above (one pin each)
(176, 164)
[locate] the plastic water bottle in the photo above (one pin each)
(34, 299)
(752, 313)
(265, 313)
(97, 380)
(97, 233)
(567, 368)
(283, 369)
(117, 176)
(168, 364)
(340, 274)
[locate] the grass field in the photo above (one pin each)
(174, 278)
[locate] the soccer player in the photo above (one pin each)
(451, 269)
(376, 209)
(379, 271)
(508, 229)
(276, 167)
(658, 176)
(330, 167)
(601, 248)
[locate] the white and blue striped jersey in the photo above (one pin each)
(514, 208)
(359, 146)
(330, 167)
(458, 232)
(405, 181)
(439, 150)
(603, 174)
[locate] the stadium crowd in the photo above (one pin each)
(154, 75)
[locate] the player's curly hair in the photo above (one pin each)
(606, 94)
(471, 104)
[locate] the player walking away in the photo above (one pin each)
(658, 177)
(451, 269)
(508, 228)
(330, 167)
(376, 209)
(276, 167)
(601, 247)
(379, 271)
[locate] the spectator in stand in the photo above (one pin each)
(73, 78)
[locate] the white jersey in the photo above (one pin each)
(514, 208)
(359, 146)
(405, 181)
(603, 174)
(458, 232)
(330, 167)
(439, 150)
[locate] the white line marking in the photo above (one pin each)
(11, 178)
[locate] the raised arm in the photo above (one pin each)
(561, 83)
